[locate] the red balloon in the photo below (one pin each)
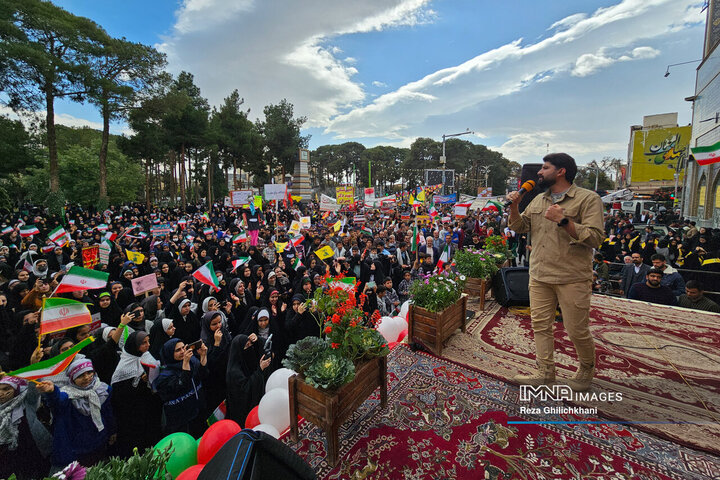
(191, 473)
(392, 345)
(214, 438)
(402, 336)
(252, 419)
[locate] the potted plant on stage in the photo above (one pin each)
(339, 370)
(497, 246)
(437, 309)
(478, 267)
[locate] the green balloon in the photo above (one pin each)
(184, 452)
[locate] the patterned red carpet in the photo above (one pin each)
(445, 421)
(664, 361)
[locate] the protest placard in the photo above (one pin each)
(144, 284)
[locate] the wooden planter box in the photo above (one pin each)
(432, 329)
(477, 287)
(329, 409)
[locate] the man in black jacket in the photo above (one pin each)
(633, 273)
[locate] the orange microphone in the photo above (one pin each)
(526, 187)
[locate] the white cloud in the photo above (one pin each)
(568, 21)
(271, 53)
(379, 84)
(534, 145)
(584, 46)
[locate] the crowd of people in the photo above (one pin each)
(162, 361)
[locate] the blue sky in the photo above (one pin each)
(521, 74)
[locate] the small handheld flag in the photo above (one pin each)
(206, 275)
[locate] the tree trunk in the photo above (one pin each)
(103, 154)
(183, 200)
(52, 139)
(147, 183)
(235, 181)
(210, 175)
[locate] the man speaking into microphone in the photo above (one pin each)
(565, 225)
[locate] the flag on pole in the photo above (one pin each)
(706, 155)
(47, 248)
(297, 240)
(421, 196)
(7, 230)
(52, 366)
(444, 258)
(280, 246)
(433, 212)
(324, 252)
(367, 231)
(205, 217)
(346, 283)
(58, 236)
(296, 263)
(240, 261)
(28, 230)
(337, 226)
(208, 231)
(79, 278)
(240, 237)
(218, 414)
(111, 236)
(206, 275)
(135, 257)
(62, 313)
(102, 228)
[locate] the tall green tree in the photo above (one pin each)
(46, 54)
(281, 134)
(121, 74)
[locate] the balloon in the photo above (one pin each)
(387, 329)
(274, 409)
(267, 428)
(191, 473)
(279, 379)
(184, 453)
(214, 438)
(404, 309)
(402, 335)
(252, 419)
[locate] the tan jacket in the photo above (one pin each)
(556, 257)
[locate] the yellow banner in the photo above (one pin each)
(281, 246)
(135, 257)
(324, 252)
(656, 153)
(344, 195)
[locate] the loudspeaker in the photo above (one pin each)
(529, 172)
(510, 287)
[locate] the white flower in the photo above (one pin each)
(462, 277)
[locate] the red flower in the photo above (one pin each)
(353, 323)
(335, 319)
(334, 345)
(328, 329)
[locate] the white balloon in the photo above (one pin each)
(267, 428)
(404, 308)
(274, 409)
(387, 329)
(279, 379)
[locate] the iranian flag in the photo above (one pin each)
(52, 366)
(208, 231)
(58, 236)
(111, 236)
(240, 237)
(102, 228)
(182, 222)
(461, 209)
(433, 212)
(297, 240)
(706, 155)
(206, 275)
(79, 278)
(296, 263)
(48, 248)
(218, 414)
(28, 230)
(240, 261)
(414, 244)
(444, 258)
(205, 217)
(7, 230)
(62, 313)
(346, 283)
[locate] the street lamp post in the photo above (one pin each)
(597, 172)
(443, 159)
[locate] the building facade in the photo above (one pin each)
(701, 195)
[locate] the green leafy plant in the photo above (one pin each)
(330, 371)
(303, 353)
(475, 263)
(497, 246)
(437, 292)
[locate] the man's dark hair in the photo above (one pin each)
(563, 160)
(599, 257)
(656, 271)
(658, 256)
(694, 285)
(380, 289)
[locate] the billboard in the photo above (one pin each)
(656, 153)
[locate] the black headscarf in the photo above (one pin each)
(207, 335)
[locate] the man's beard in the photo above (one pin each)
(654, 283)
(545, 182)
